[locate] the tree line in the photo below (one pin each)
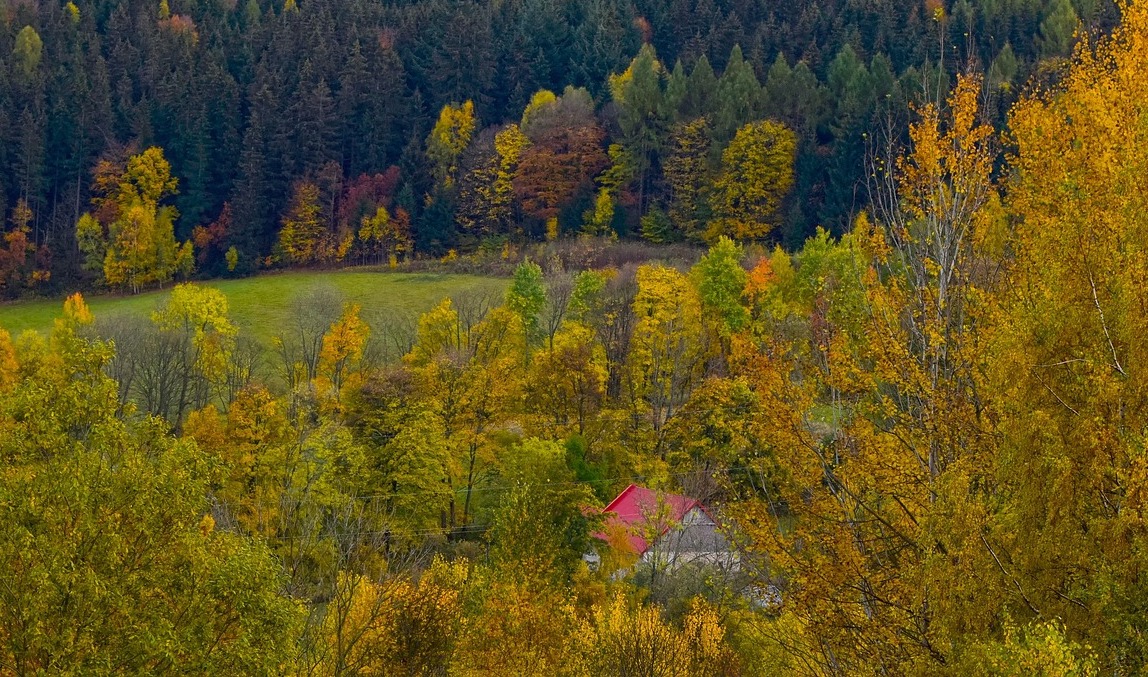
(263, 107)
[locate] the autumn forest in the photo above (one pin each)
(857, 290)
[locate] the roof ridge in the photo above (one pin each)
(619, 497)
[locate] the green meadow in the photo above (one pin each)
(262, 305)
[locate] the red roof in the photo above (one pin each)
(637, 506)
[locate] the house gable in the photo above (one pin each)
(667, 528)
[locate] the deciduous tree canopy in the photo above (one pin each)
(920, 439)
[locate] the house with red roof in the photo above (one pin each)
(666, 530)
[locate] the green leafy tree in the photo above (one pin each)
(1004, 69)
(545, 502)
(657, 227)
(406, 450)
(738, 97)
(1058, 29)
(701, 91)
(526, 297)
(107, 524)
(644, 117)
(721, 281)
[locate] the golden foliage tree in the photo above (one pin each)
(1069, 355)
(468, 370)
(566, 385)
(299, 238)
(486, 192)
(669, 349)
(130, 239)
(757, 173)
(396, 626)
(624, 639)
(343, 347)
(449, 138)
(877, 423)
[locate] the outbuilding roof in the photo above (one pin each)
(640, 510)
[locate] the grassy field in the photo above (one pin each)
(261, 305)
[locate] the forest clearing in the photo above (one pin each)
(260, 304)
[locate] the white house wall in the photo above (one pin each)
(696, 540)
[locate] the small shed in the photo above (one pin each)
(668, 530)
